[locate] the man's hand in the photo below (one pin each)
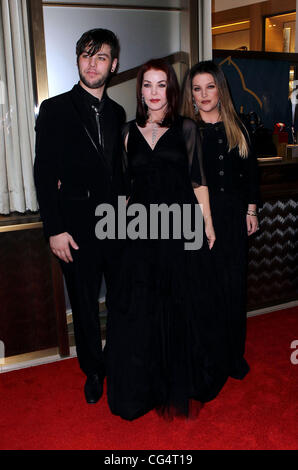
(60, 246)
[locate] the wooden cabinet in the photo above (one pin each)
(273, 250)
(32, 307)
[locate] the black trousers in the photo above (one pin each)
(83, 278)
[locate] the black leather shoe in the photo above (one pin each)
(93, 388)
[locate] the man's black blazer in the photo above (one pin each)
(65, 152)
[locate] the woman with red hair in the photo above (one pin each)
(162, 351)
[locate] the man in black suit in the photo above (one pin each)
(77, 167)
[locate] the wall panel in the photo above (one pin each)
(143, 34)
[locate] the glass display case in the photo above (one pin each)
(280, 31)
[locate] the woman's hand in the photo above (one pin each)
(252, 224)
(210, 233)
(202, 195)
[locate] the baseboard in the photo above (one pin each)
(36, 358)
(273, 308)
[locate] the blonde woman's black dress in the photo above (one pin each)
(165, 338)
(233, 184)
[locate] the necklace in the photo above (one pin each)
(155, 128)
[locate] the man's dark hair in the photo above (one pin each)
(91, 42)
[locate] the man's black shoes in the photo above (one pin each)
(93, 388)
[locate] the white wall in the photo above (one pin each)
(125, 94)
(143, 35)
(220, 5)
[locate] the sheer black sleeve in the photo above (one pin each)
(192, 139)
(127, 178)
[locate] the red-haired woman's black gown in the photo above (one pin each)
(165, 336)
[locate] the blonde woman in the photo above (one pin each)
(232, 177)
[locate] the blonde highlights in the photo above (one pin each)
(233, 126)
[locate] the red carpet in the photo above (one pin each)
(43, 407)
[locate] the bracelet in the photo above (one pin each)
(252, 213)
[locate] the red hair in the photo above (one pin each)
(172, 92)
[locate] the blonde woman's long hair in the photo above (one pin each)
(233, 126)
